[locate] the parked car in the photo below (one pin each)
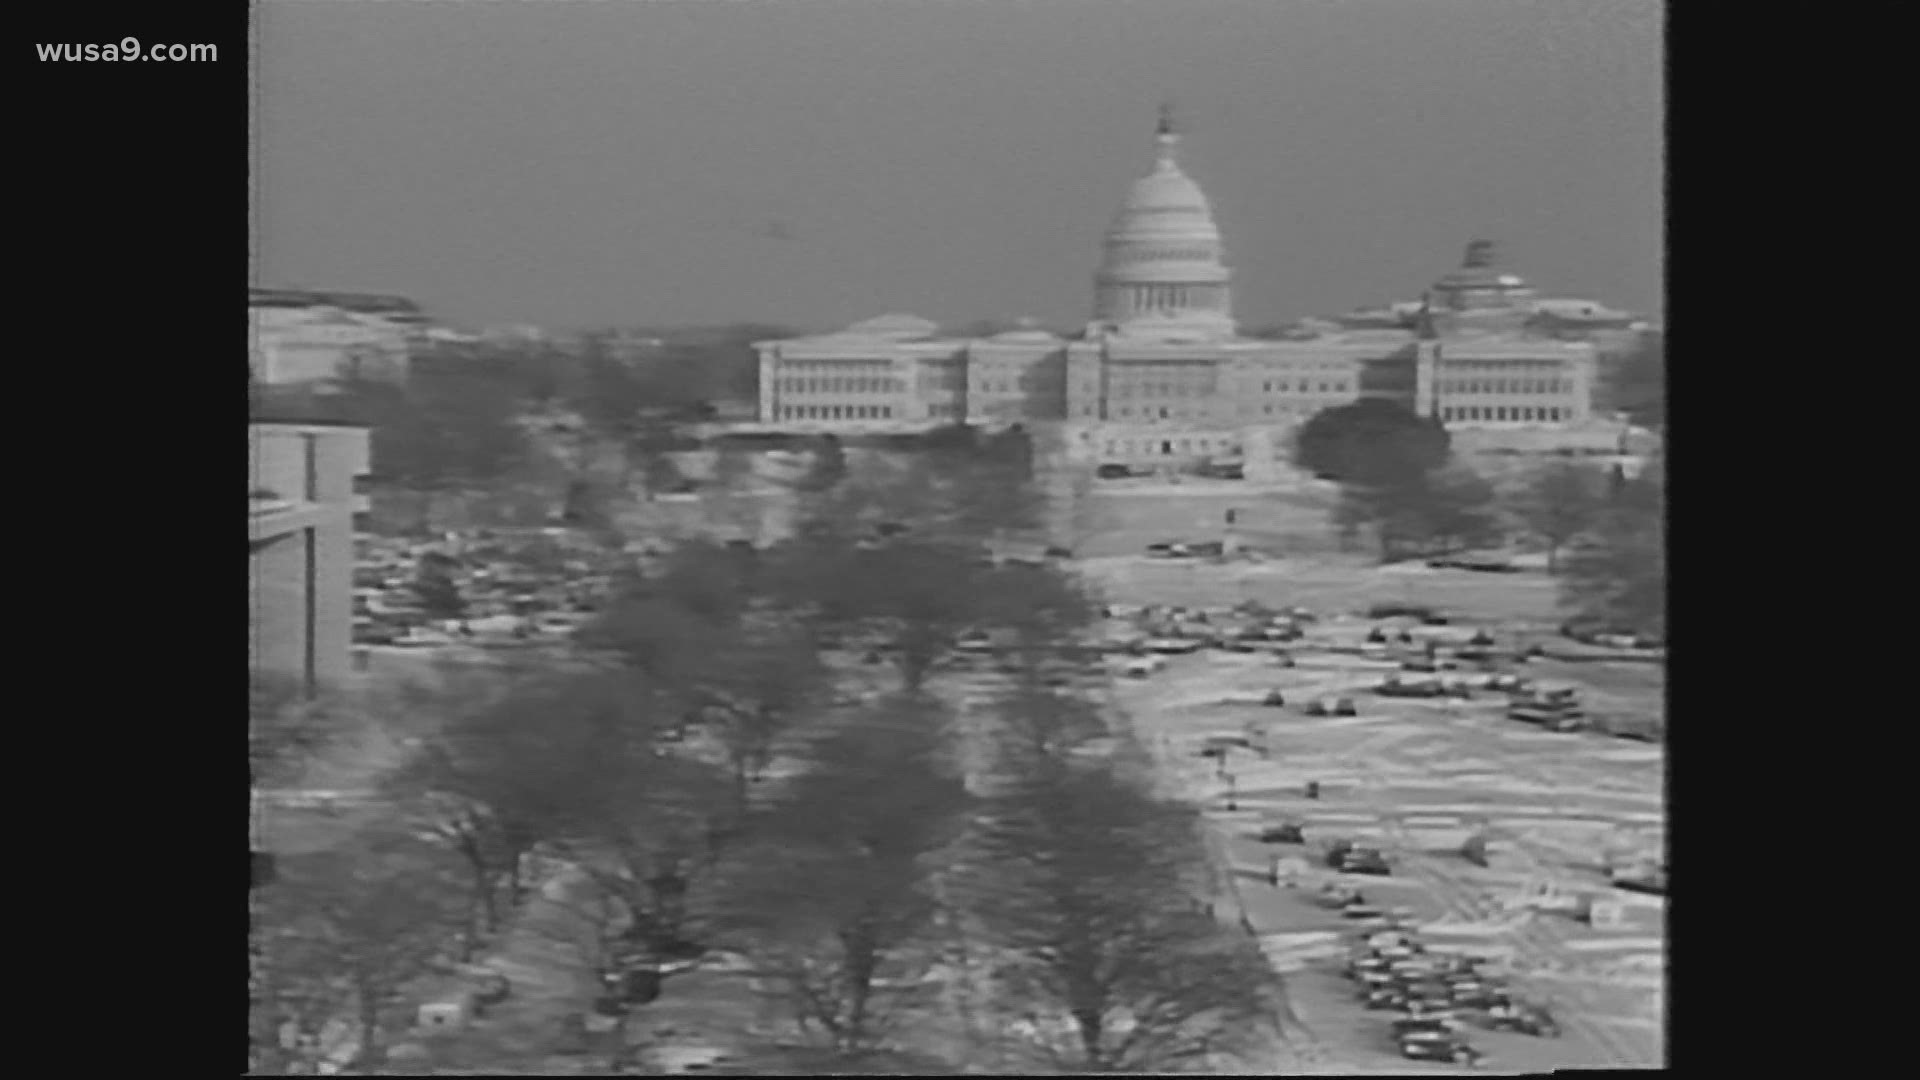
(1399, 611)
(1611, 635)
(1362, 860)
(1437, 1046)
(1384, 998)
(1331, 707)
(1646, 878)
(1486, 564)
(1406, 1025)
(1338, 894)
(424, 637)
(1286, 832)
(1395, 686)
(1174, 646)
(1525, 1019)
(1555, 710)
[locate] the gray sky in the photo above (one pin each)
(575, 163)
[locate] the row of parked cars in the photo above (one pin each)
(1437, 997)
(1342, 855)
(1183, 549)
(512, 586)
(1559, 709)
(1609, 635)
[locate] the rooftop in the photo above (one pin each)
(366, 303)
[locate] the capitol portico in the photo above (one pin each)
(1162, 376)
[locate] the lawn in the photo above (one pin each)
(1328, 585)
(1122, 521)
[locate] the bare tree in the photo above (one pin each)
(1079, 877)
(1037, 726)
(650, 831)
(1559, 502)
(728, 661)
(1618, 574)
(914, 594)
(493, 776)
(1086, 514)
(757, 688)
(835, 902)
(341, 932)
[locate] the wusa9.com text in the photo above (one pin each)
(127, 49)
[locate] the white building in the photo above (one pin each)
(306, 337)
(1162, 375)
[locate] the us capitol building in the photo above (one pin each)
(1162, 377)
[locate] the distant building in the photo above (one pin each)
(303, 496)
(1163, 377)
(309, 337)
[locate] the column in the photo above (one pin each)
(1426, 363)
(768, 400)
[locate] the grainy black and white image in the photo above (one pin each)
(825, 537)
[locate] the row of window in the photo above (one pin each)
(1168, 447)
(1505, 412)
(835, 366)
(1500, 367)
(841, 384)
(1006, 386)
(1162, 297)
(836, 412)
(1285, 387)
(1162, 412)
(1195, 388)
(1506, 386)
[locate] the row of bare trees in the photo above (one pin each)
(458, 424)
(1398, 477)
(757, 752)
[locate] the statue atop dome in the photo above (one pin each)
(1167, 134)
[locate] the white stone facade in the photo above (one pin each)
(1162, 376)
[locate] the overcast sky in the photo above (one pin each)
(573, 163)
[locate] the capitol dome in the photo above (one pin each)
(1162, 265)
(1480, 285)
